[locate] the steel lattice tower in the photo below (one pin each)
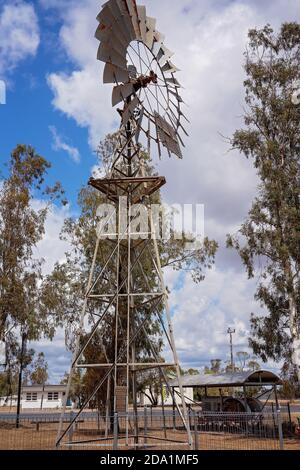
(134, 297)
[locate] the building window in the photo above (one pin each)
(52, 396)
(31, 396)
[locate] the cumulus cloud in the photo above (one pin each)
(209, 38)
(202, 314)
(19, 34)
(51, 248)
(80, 94)
(56, 355)
(59, 144)
(209, 45)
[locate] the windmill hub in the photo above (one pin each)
(143, 81)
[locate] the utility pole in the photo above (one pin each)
(231, 332)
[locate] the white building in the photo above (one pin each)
(43, 398)
(9, 402)
(38, 398)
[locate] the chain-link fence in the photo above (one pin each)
(150, 429)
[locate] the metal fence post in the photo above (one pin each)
(145, 425)
(174, 413)
(196, 436)
(189, 415)
(280, 433)
(290, 416)
(71, 430)
(116, 424)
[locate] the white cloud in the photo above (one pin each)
(56, 355)
(60, 144)
(209, 45)
(203, 313)
(209, 38)
(80, 94)
(51, 248)
(19, 34)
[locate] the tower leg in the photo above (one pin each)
(171, 332)
(77, 347)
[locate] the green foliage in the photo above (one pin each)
(269, 240)
(77, 391)
(21, 228)
(215, 367)
(37, 374)
(253, 365)
(242, 358)
(191, 372)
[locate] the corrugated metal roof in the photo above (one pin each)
(237, 379)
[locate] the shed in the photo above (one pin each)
(244, 380)
(236, 379)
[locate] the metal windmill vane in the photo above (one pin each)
(139, 64)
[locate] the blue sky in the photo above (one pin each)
(29, 113)
(48, 61)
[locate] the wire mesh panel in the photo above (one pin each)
(130, 431)
(149, 429)
(238, 431)
(33, 433)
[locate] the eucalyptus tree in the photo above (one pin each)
(24, 307)
(269, 239)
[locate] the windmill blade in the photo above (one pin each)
(106, 54)
(114, 74)
(113, 42)
(120, 21)
(181, 126)
(176, 125)
(158, 42)
(139, 125)
(179, 112)
(115, 10)
(150, 24)
(109, 25)
(128, 110)
(180, 140)
(173, 82)
(163, 55)
(180, 100)
(169, 68)
(131, 5)
(167, 135)
(121, 92)
(184, 116)
(141, 11)
(103, 31)
(127, 22)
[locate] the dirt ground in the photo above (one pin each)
(28, 438)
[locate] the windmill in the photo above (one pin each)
(146, 93)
